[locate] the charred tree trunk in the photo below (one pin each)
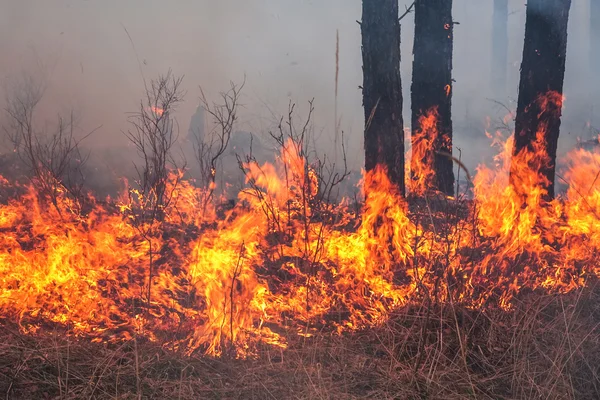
(382, 89)
(432, 84)
(500, 47)
(539, 106)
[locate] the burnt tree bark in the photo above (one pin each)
(500, 47)
(432, 82)
(382, 89)
(539, 106)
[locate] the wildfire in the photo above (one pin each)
(284, 258)
(157, 110)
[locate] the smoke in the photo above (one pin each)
(285, 49)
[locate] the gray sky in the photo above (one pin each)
(285, 48)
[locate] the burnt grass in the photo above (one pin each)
(547, 347)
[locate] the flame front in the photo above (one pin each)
(284, 260)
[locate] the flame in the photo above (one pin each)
(283, 260)
(422, 157)
(157, 110)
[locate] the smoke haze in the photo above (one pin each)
(285, 49)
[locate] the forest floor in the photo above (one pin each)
(547, 347)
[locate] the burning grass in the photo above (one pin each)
(432, 296)
(285, 256)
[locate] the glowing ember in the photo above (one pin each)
(157, 110)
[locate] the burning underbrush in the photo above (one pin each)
(488, 295)
(284, 261)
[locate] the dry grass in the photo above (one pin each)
(548, 347)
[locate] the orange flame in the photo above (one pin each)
(282, 258)
(157, 110)
(422, 157)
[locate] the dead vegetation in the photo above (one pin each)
(210, 149)
(445, 336)
(547, 348)
(51, 154)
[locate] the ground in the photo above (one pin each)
(547, 347)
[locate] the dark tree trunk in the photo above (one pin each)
(500, 48)
(382, 89)
(432, 83)
(540, 90)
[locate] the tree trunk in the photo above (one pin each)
(382, 89)
(540, 90)
(431, 90)
(500, 48)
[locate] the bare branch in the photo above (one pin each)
(408, 11)
(53, 158)
(153, 135)
(211, 148)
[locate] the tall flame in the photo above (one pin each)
(422, 158)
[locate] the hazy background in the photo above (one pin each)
(284, 48)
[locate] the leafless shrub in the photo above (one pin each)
(209, 149)
(52, 156)
(154, 134)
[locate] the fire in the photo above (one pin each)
(422, 158)
(283, 260)
(157, 110)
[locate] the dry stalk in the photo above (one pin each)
(210, 149)
(53, 157)
(154, 134)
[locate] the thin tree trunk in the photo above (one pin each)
(431, 89)
(382, 89)
(500, 48)
(540, 90)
